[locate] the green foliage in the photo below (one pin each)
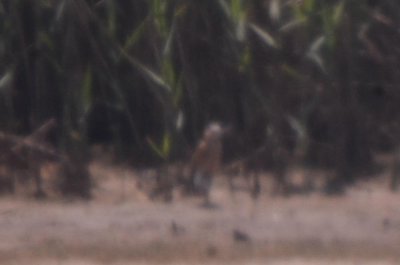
(135, 36)
(163, 150)
(159, 15)
(265, 36)
(169, 66)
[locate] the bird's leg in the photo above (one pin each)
(206, 184)
(256, 186)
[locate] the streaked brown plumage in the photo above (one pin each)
(206, 160)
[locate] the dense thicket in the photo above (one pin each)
(309, 77)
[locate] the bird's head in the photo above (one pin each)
(215, 131)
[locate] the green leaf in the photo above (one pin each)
(168, 72)
(293, 24)
(300, 129)
(159, 11)
(178, 91)
(166, 145)
(245, 59)
(241, 29)
(149, 74)
(112, 18)
(317, 43)
(180, 120)
(155, 148)
(309, 6)
(168, 44)
(317, 59)
(45, 40)
(292, 72)
(225, 7)
(236, 9)
(157, 79)
(164, 149)
(6, 80)
(274, 10)
(297, 126)
(135, 36)
(61, 10)
(338, 13)
(314, 52)
(264, 36)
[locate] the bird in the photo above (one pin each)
(206, 160)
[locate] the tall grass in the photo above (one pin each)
(146, 76)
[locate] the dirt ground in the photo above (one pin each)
(121, 226)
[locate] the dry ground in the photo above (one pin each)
(121, 226)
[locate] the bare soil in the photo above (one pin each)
(121, 226)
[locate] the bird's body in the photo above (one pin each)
(206, 160)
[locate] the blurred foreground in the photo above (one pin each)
(121, 226)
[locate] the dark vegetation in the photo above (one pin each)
(311, 81)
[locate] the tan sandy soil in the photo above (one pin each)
(121, 226)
